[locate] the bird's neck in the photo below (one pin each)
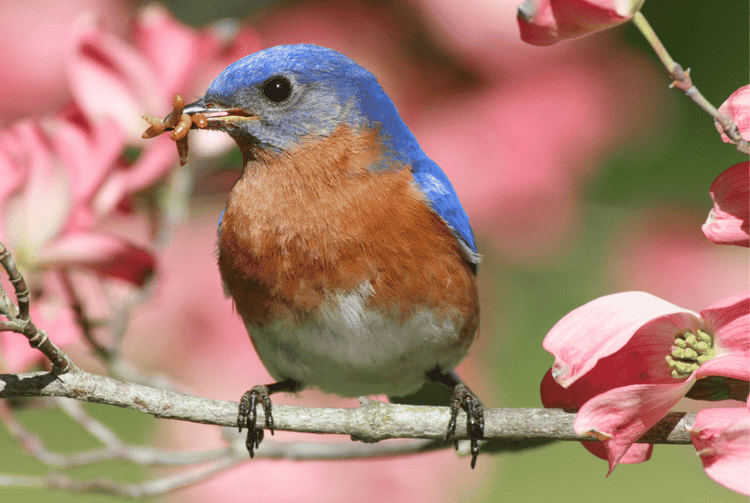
(327, 161)
(310, 190)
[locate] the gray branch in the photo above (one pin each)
(371, 422)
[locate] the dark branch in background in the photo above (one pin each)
(683, 82)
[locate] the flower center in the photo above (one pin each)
(689, 352)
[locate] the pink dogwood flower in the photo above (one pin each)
(35, 36)
(624, 360)
(737, 108)
(729, 220)
(116, 79)
(46, 218)
(722, 439)
(546, 22)
(52, 172)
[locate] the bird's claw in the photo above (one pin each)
(463, 398)
(247, 416)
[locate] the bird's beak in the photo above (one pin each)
(217, 117)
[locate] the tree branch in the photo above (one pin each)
(683, 82)
(371, 422)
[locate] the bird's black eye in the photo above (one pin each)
(277, 89)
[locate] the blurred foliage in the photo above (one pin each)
(712, 42)
(67, 436)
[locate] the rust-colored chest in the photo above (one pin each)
(301, 228)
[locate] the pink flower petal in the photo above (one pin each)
(172, 48)
(722, 439)
(26, 221)
(601, 328)
(105, 254)
(620, 416)
(155, 161)
(729, 321)
(536, 22)
(109, 78)
(33, 40)
(729, 220)
(640, 361)
(636, 453)
(727, 365)
(13, 166)
(89, 155)
(737, 108)
(545, 22)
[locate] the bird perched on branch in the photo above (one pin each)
(345, 248)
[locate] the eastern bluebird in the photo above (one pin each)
(345, 248)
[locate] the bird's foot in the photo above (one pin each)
(464, 398)
(248, 416)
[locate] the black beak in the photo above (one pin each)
(216, 115)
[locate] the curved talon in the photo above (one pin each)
(463, 398)
(248, 416)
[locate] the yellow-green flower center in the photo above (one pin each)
(689, 352)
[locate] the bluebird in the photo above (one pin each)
(344, 247)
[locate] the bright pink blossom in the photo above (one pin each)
(46, 217)
(53, 171)
(545, 22)
(114, 79)
(35, 36)
(722, 439)
(625, 360)
(737, 108)
(729, 220)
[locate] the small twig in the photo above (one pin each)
(150, 488)
(683, 82)
(22, 324)
(82, 319)
(16, 278)
(114, 448)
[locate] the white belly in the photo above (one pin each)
(351, 350)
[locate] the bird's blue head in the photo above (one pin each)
(281, 96)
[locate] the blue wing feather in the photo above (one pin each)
(444, 201)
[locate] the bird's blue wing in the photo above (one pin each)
(444, 201)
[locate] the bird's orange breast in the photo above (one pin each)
(302, 226)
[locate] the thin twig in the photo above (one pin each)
(21, 322)
(683, 82)
(150, 488)
(22, 291)
(83, 320)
